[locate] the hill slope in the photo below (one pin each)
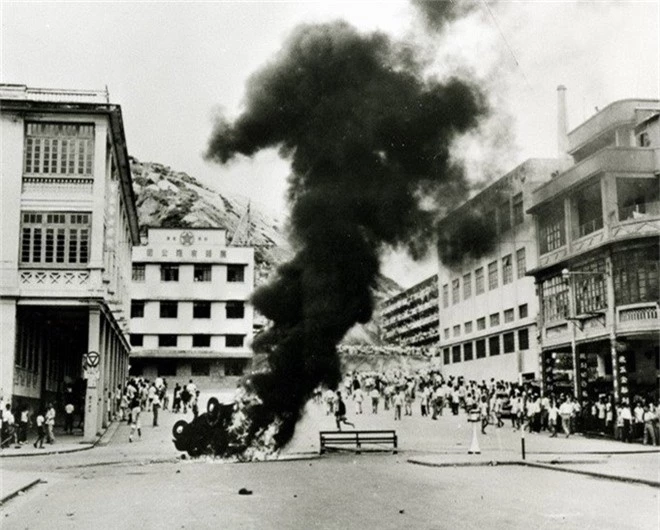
(168, 198)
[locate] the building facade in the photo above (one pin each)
(410, 318)
(488, 304)
(190, 315)
(68, 225)
(598, 227)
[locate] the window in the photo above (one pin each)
(137, 339)
(138, 272)
(504, 217)
(635, 275)
(167, 341)
(169, 309)
(588, 210)
(445, 295)
(518, 210)
(201, 341)
(169, 273)
(55, 238)
(481, 348)
(522, 311)
(446, 333)
(507, 270)
(456, 354)
(455, 291)
(552, 230)
(520, 262)
(492, 275)
(58, 149)
(235, 309)
(235, 273)
(467, 351)
(589, 290)
(137, 308)
(479, 280)
(446, 356)
(508, 315)
(494, 345)
(523, 339)
(468, 327)
(234, 341)
(201, 309)
(554, 293)
(200, 368)
(235, 366)
(467, 285)
(494, 319)
(457, 330)
(202, 273)
(509, 342)
(481, 323)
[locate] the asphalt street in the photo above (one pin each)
(145, 484)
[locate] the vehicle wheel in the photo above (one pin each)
(179, 429)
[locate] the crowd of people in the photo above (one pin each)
(524, 405)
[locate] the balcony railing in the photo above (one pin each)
(590, 226)
(640, 211)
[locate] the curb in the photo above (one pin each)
(595, 474)
(20, 490)
(540, 465)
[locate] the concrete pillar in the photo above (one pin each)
(92, 394)
(7, 346)
(562, 123)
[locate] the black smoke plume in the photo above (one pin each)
(438, 13)
(368, 138)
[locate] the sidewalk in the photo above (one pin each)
(64, 443)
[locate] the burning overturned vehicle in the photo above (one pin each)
(226, 429)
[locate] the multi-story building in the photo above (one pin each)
(68, 224)
(190, 316)
(488, 305)
(597, 225)
(410, 318)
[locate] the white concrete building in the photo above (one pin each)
(190, 315)
(488, 306)
(68, 223)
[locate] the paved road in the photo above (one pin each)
(144, 484)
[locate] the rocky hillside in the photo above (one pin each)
(169, 198)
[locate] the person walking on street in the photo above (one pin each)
(340, 412)
(566, 411)
(41, 431)
(155, 408)
(50, 423)
(68, 418)
(135, 419)
(483, 410)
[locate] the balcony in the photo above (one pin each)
(609, 160)
(638, 317)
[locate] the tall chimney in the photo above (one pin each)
(562, 123)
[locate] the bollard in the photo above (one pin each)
(473, 418)
(522, 441)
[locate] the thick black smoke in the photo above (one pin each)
(472, 234)
(438, 13)
(368, 138)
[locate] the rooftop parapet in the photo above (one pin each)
(25, 93)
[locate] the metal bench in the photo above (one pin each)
(330, 439)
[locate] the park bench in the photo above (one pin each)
(357, 438)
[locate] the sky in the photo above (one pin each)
(174, 65)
